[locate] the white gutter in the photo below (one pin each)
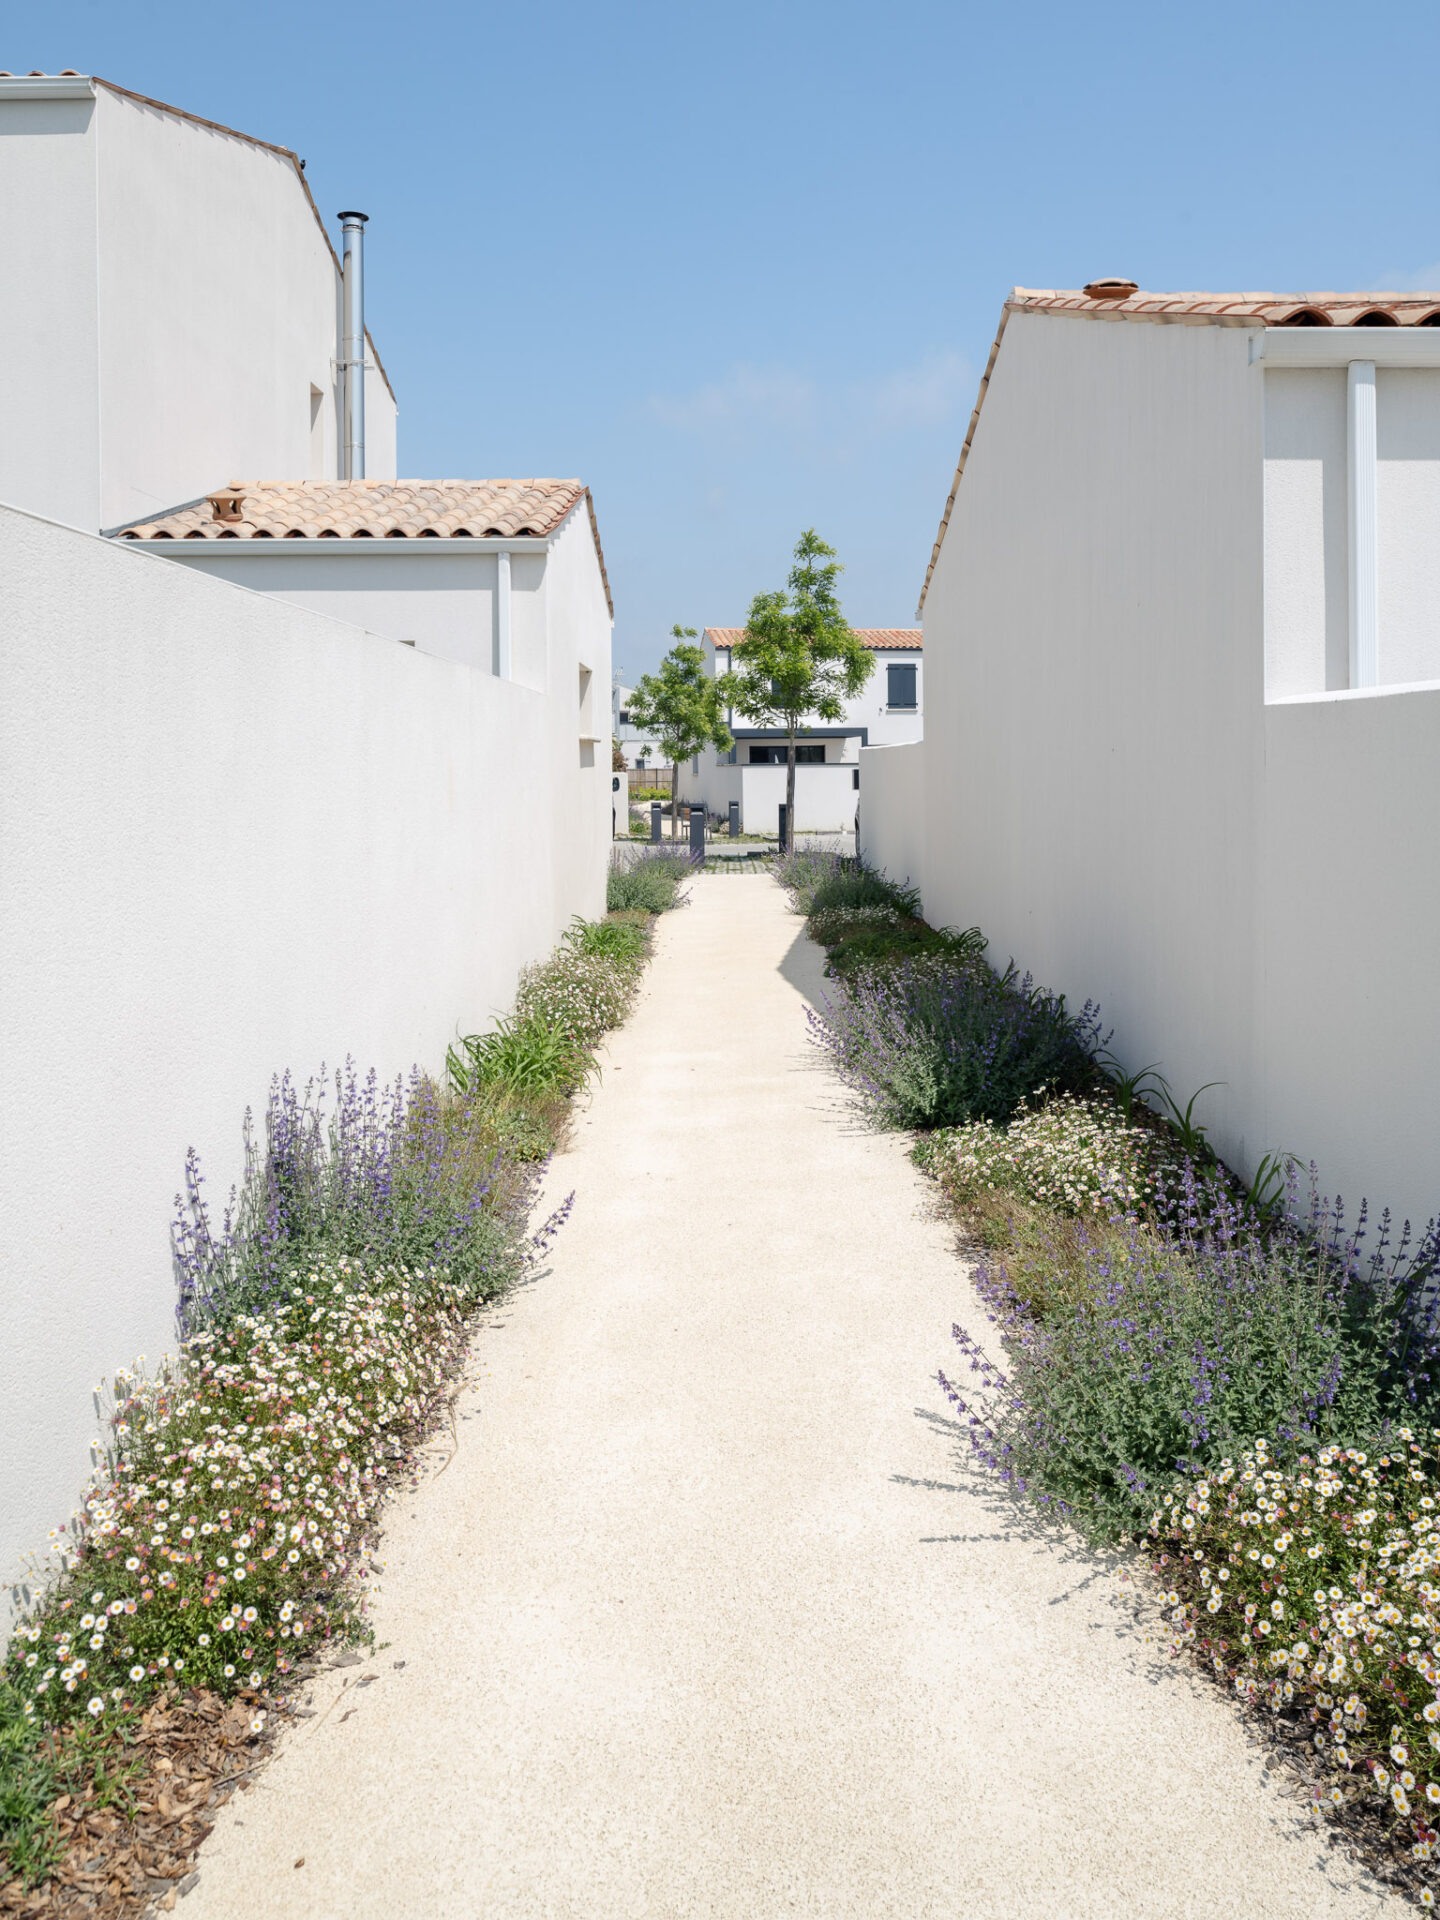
(47, 86)
(311, 545)
(1338, 346)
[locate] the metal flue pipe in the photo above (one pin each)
(352, 345)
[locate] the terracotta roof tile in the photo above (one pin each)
(375, 510)
(368, 509)
(1188, 309)
(1236, 309)
(878, 639)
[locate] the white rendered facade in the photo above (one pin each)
(1147, 774)
(169, 310)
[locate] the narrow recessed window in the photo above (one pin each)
(317, 434)
(900, 686)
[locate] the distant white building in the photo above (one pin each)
(1182, 752)
(640, 749)
(889, 710)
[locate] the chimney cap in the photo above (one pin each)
(1115, 289)
(228, 503)
(361, 217)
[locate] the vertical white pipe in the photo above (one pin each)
(502, 615)
(352, 345)
(1364, 525)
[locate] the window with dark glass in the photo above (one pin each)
(624, 716)
(900, 689)
(812, 755)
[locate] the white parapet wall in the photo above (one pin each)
(892, 811)
(236, 836)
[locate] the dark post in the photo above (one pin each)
(697, 832)
(655, 822)
(784, 835)
(734, 819)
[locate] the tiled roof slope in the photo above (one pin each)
(878, 639)
(376, 510)
(1238, 309)
(1105, 301)
(368, 509)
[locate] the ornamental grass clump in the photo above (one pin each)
(933, 1042)
(1171, 1348)
(1314, 1589)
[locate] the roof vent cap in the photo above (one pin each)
(1110, 289)
(229, 503)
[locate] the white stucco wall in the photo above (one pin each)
(169, 302)
(1307, 647)
(235, 836)
(1250, 892)
(892, 821)
(1348, 883)
(440, 598)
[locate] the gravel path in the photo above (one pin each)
(705, 1616)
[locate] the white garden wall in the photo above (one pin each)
(235, 836)
(892, 811)
(1252, 893)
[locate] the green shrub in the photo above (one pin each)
(1075, 1154)
(651, 882)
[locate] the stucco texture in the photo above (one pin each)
(1251, 892)
(236, 837)
(701, 1612)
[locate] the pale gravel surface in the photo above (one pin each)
(705, 1616)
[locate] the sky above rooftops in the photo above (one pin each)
(738, 267)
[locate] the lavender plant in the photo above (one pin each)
(934, 1042)
(387, 1176)
(652, 880)
(1180, 1346)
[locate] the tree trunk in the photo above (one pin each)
(790, 793)
(674, 798)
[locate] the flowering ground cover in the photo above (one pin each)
(222, 1546)
(1220, 1376)
(1311, 1590)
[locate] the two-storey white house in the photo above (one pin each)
(889, 710)
(1182, 753)
(297, 760)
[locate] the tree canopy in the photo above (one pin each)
(798, 659)
(682, 706)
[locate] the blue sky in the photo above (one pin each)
(739, 267)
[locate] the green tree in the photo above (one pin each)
(682, 706)
(798, 658)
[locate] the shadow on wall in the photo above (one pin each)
(804, 967)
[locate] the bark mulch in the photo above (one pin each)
(185, 1758)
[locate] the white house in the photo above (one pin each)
(1182, 622)
(888, 710)
(507, 576)
(171, 309)
(641, 749)
(292, 767)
